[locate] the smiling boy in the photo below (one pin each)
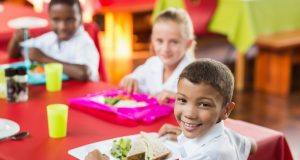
(203, 101)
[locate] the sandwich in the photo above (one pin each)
(148, 147)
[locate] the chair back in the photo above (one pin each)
(200, 12)
(93, 31)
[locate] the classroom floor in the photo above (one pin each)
(278, 113)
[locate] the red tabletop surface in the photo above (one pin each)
(12, 11)
(85, 128)
(4, 58)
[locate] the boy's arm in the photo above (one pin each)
(74, 71)
(253, 147)
(14, 48)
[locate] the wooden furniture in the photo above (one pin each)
(118, 36)
(242, 21)
(273, 65)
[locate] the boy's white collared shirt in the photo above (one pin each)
(79, 49)
(150, 75)
(219, 143)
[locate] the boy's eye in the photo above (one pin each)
(181, 100)
(55, 19)
(70, 20)
(204, 105)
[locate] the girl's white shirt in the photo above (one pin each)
(79, 49)
(150, 75)
(219, 143)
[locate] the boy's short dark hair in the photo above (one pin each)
(213, 73)
(67, 2)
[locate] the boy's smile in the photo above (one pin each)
(65, 20)
(198, 107)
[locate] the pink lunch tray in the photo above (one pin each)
(148, 113)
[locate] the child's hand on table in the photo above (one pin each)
(171, 130)
(164, 96)
(130, 85)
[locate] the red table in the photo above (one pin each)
(84, 128)
(4, 58)
(12, 11)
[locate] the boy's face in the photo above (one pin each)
(168, 42)
(198, 107)
(65, 20)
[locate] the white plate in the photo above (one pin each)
(27, 22)
(105, 146)
(8, 128)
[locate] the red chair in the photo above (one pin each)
(93, 30)
(201, 13)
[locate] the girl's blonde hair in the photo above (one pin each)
(181, 17)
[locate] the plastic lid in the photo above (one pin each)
(21, 71)
(9, 72)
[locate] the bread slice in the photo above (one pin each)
(137, 151)
(148, 147)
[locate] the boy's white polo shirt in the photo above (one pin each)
(79, 49)
(218, 143)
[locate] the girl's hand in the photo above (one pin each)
(130, 85)
(96, 155)
(171, 130)
(164, 96)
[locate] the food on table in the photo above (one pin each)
(111, 101)
(120, 148)
(144, 147)
(148, 147)
(118, 101)
(37, 68)
(130, 103)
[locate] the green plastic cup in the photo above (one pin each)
(2, 84)
(57, 120)
(53, 73)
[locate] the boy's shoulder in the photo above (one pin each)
(47, 36)
(220, 148)
(230, 145)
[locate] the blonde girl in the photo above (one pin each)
(171, 39)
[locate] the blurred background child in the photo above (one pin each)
(68, 43)
(172, 37)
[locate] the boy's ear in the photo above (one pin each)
(227, 110)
